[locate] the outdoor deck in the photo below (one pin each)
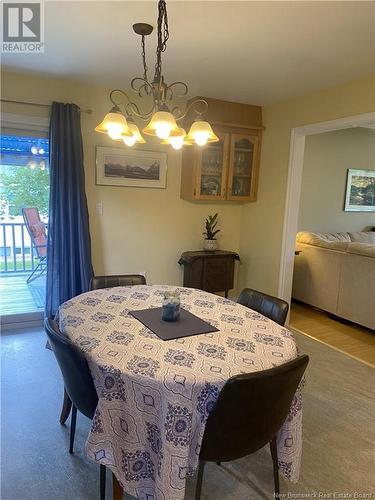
(17, 297)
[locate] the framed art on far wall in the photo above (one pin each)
(360, 191)
(130, 168)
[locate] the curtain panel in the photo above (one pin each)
(69, 266)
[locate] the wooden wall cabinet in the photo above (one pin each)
(224, 170)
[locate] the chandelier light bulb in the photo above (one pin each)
(130, 141)
(161, 125)
(176, 142)
(201, 138)
(34, 150)
(114, 130)
(163, 130)
(176, 138)
(41, 151)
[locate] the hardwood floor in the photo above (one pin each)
(351, 339)
(16, 296)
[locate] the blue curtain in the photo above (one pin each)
(69, 267)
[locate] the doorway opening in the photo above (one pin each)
(292, 224)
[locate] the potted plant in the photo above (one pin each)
(210, 242)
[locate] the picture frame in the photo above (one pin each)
(360, 191)
(130, 168)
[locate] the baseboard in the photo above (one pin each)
(333, 316)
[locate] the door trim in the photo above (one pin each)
(34, 124)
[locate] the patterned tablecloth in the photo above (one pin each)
(155, 395)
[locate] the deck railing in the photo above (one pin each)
(17, 254)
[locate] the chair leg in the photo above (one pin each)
(102, 481)
(65, 410)
(117, 491)
(273, 447)
(38, 271)
(73, 428)
(198, 488)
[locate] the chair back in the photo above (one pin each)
(271, 307)
(36, 229)
(116, 280)
(74, 368)
(250, 410)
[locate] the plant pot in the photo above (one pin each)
(210, 245)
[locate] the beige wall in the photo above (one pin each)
(140, 229)
(262, 221)
(144, 229)
(327, 159)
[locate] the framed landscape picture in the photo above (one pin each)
(131, 168)
(360, 191)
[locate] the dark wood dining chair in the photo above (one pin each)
(78, 382)
(249, 412)
(271, 307)
(116, 280)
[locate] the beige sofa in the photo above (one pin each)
(336, 272)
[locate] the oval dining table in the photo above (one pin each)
(155, 395)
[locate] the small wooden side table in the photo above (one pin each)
(209, 271)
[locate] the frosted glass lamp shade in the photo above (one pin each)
(136, 137)
(176, 138)
(201, 133)
(161, 125)
(115, 125)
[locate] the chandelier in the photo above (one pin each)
(163, 121)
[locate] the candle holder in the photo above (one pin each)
(171, 306)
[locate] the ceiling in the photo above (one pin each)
(252, 52)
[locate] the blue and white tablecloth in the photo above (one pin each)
(155, 396)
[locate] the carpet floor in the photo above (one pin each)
(338, 450)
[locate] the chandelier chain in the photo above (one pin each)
(163, 35)
(145, 68)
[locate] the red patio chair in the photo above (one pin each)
(37, 231)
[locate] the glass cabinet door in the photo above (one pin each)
(212, 170)
(244, 150)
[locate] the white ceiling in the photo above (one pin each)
(254, 52)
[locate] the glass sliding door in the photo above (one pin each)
(24, 197)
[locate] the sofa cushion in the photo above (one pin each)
(363, 237)
(365, 249)
(334, 241)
